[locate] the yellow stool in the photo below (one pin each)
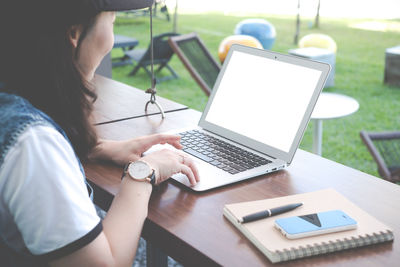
(318, 40)
(246, 40)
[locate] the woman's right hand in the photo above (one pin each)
(167, 163)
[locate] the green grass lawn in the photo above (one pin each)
(359, 74)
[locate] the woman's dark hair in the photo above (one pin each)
(37, 63)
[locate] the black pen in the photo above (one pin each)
(268, 213)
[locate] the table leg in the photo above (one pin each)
(317, 137)
(155, 257)
(175, 27)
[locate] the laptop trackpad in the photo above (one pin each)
(210, 177)
(208, 174)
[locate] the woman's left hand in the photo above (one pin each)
(122, 152)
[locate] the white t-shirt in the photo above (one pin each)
(44, 202)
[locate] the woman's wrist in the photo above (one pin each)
(154, 167)
(144, 186)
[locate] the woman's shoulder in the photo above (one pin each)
(40, 145)
(44, 134)
(17, 115)
(17, 112)
(39, 138)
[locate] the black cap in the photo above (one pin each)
(80, 9)
(119, 5)
(52, 13)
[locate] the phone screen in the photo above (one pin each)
(316, 223)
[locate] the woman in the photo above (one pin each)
(48, 54)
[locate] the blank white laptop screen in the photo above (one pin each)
(276, 91)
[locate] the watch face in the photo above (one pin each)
(139, 170)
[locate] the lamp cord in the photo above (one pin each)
(153, 89)
(153, 82)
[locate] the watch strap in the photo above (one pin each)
(125, 170)
(153, 177)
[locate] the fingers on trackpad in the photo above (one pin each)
(182, 178)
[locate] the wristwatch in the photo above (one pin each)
(140, 171)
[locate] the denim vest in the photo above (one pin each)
(16, 115)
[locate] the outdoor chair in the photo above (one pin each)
(126, 43)
(162, 55)
(197, 59)
(385, 149)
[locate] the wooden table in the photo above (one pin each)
(190, 226)
(117, 101)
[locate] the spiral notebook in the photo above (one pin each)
(277, 248)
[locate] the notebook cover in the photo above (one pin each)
(276, 247)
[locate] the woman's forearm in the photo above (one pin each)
(110, 150)
(117, 244)
(124, 220)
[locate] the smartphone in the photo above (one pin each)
(315, 224)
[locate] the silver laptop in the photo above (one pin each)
(255, 117)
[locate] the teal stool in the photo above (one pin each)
(260, 29)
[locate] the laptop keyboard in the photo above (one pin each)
(221, 154)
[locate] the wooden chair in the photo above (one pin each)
(162, 55)
(197, 59)
(385, 149)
